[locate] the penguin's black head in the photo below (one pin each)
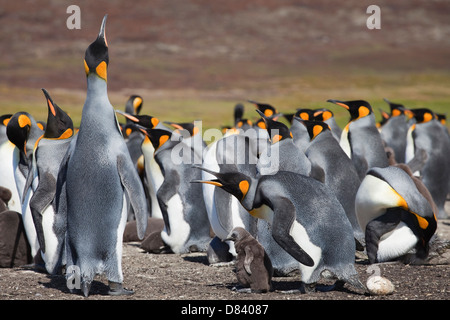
(18, 130)
(157, 137)
(423, 115)
(59, 124)
(134, 104)
(277, 131)
(396, 108)
(188, 126)
(265, 108)
(314, 128)
(304, 114)
(235, 183)
(440, 116)
(96, 58)
(4, 119)
(357, 108)
(322, 114)
(146, 121)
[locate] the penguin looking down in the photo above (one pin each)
(101, 182)
(134, 105)
(307, 221)
(360, 138)
(395, 215)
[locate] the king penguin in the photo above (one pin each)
(23, 132)
(48, 154)
(327, 116)
(282, 153)
(307, 221)
(395, 215)
(231, 153)
(134, 105)
(299, 132)
(7, 180)
(360, 138)
(101, 182)
(187, 228)
(428, 134)
(334, 169)
(394, 130)
(4, 119)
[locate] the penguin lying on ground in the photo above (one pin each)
(395, 215)
(307, 221)
(253, 267)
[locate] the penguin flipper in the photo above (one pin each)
(41, 199)
(133, 186)
(282, 223)
(248, 259)
(317, 172)
(165, 192)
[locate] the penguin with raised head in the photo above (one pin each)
(49, 152)
(335, 168)
(253, 266)
(307, 221)
(101, 182)
(23, 132)
(428, 134)
(360, 138)
(182, 205)
(394, 130)
(394, 214)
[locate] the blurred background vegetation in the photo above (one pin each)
(195, 59)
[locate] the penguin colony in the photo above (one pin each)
(306, 196)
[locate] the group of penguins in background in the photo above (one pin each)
(273, 198)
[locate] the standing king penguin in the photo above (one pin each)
(49, 152)
(360, 138)
(101, 181)
(428, 134)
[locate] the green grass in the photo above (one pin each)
(215, 107)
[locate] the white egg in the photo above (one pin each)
(378, 285)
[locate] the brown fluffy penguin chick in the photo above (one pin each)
(253, 266)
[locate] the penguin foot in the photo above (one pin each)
(117, 289)
(86, 287)
(242, 290)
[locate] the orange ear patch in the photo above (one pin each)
(101, 70)
(24, 121)
(163, 139)
(316, 130)
(244, 186)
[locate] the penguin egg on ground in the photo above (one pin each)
(378, 285)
